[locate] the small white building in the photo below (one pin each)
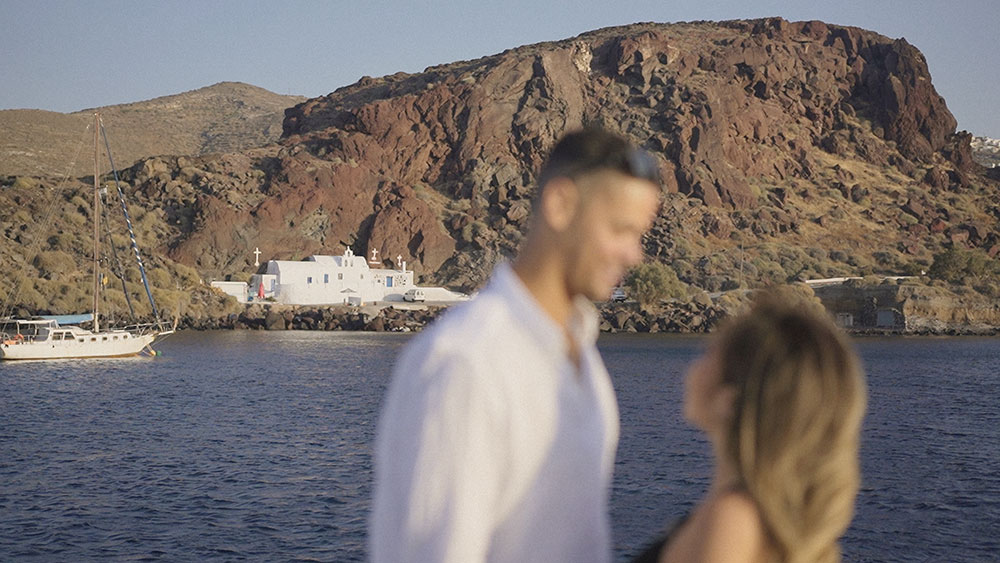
(330, 280)
(239, 290)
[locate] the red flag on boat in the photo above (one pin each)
(260, 290)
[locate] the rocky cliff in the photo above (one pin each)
(805, 135)
(910, 306)
(786, 150)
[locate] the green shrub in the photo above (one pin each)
(650, 282)
(160, 277)
(883, 258)
(685, 270)
(955, 264)
(839, 256)
(187, 277)
(54, 264)
(989, 289)
(24, 183)
(817, 253)
(33, 299)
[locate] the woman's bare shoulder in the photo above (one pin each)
(729, 529)
(733, 508)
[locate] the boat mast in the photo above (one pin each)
(97, 220)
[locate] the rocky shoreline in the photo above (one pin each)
(690, 317)
(675, 317)
(332, 317)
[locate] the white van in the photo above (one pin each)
(414, 295)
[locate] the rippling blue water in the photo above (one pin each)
(253, 445)
(930, 451)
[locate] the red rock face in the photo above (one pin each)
(406, 225)
(438, 167)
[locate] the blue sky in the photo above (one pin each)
(71, 55)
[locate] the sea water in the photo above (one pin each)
(257, 446)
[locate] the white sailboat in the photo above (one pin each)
(45, 338)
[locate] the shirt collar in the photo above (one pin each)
(583, 323)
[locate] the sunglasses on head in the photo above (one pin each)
(641, 164)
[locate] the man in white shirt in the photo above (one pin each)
(498, 434)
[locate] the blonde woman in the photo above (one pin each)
(780, 395)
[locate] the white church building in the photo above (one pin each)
(330, 280)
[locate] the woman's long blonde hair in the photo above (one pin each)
(794, 435)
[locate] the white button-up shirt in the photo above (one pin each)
(492, 445)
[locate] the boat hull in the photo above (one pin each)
(115, 344)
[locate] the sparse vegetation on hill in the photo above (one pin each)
(226, 117)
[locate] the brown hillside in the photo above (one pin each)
(226, 117)
(787, 150)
